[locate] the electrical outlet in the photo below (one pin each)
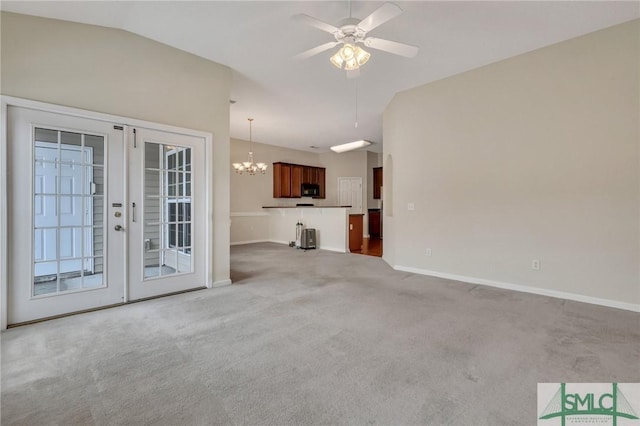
(411, 206)
(535, 264)
(428, 252)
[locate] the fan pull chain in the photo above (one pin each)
(356, 124)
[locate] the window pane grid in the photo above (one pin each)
(68, 216)
(167, 214)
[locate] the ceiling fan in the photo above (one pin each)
(350, 33)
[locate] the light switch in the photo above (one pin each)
(411, 206)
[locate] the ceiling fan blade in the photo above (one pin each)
(379, 16)
(353, 73)
(310, 20)
(394, 47)
(318, 49)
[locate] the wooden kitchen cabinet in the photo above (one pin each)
(288, 179)
(281, 180)
(321, 181)
(377, 182)
(355, 232)
(308, 174)
(296, 181)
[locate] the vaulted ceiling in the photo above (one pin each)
(299, 104)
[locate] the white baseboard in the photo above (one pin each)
(222, 283)
(337, 250)
(523, 288)
(286, 243)
(239, 243)
(248, 214)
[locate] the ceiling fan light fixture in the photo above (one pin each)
(351, 32)
(350, 146)
(362, 56)
(337, 60)
(348, 52)
(350, 56)
(351, 64)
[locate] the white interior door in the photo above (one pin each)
(350, 193)
(74, 179)
(167, 238)
(65, 183)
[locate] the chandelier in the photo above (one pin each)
(249, 166)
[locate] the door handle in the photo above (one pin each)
(118, 228)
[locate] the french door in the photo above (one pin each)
(167, 237)
(99, 213)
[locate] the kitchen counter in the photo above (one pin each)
(330, 222)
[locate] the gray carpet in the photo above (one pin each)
(314, 338)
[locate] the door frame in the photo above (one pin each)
(10, 101)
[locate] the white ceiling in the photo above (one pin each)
(299, 104)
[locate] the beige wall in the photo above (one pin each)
(535, 157)
(116, 72)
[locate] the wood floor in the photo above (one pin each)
(371, 247)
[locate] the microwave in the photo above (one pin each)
(310, 190)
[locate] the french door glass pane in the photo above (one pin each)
(167, 210)
(68, 233)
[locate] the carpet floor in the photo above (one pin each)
(305, 338)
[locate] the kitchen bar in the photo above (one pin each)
(330, 222)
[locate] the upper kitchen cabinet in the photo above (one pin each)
(288, 179)
(321, 180)
(281, 180)
(309, 175)
(296, 181)
(377, 182)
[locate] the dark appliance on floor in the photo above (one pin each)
(308, 239)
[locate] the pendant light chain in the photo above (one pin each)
(249, 166)
(250, 138)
